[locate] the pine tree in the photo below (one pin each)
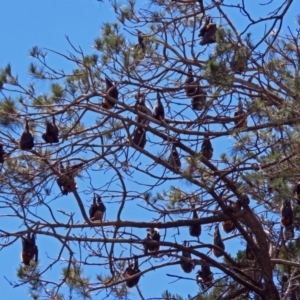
(180, 122)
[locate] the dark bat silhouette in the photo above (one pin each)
(131, 270)
(51, 134)
(152, 235)
(97, 209)
(174, 159)
(26, 141)
(158, 110)
(205, 277)
(206, 148)
(195, 230)
(218, 242)
(207, 32)
(112, 91)
(30, 250)
(185, 262)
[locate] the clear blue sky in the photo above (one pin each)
(24, 24)
(45, 23)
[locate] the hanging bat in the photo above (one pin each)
(199, 99)
(70, 172)
(249, 252)
(195, 230)
(97, 209)
(26, 140)
(143, 108)
(30, 250)
(190, 84)
(286, 214)
(174, 159)
(297, 191)
(112, 91)
(218, 242)
(241, 121)
(152, 235)
(243, 200)
(228, 226)
(1, 153)
(63, 184)
(205, 277)
(51, 134)
(206, 148)
(158, 110)
(139, 137)
(289, 232)
(141, 44)
(131, 270)
(207, 32)
(185, 261)
(238, 63)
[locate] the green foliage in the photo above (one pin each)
(244, 73)
(168, 296)
(76, 281)
(31, 275)
(8, 112)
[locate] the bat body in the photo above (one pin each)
(190, 83)
(289, 232)
(29, 249)
(228, 226)
(205, 277)
(158, 110)
(64, 186)
(195, 230)
(1, 153)
(174, 159)
(112, 91)
(241, 121)
(249, 252)
(194, 90)
(207, 32)
(131, 270)
(199, 99)
(51, 134)
(143, 108)
(218, 242)
(26, 141)
(97, 209)
(62, 183)
(185, 262)
(141, 44)
(286, 214)
(139, 137)
(297, 191)
(152, 235)
(206, 148)
(67, 186)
